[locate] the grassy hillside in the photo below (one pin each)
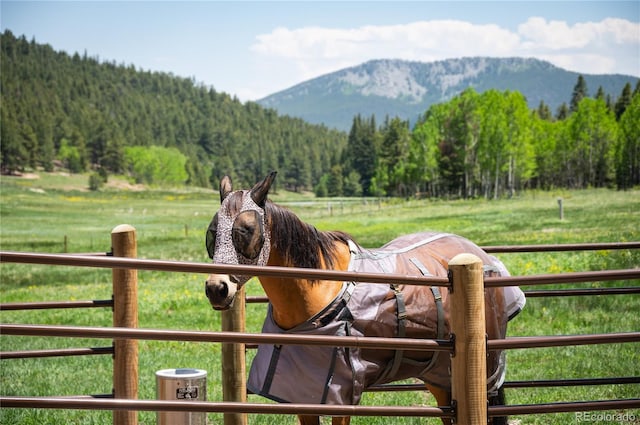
(38, 214)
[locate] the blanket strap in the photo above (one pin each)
(401, 312)
(437, 296)
(268, 380)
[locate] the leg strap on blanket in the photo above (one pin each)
(440, 309)
(401, 311)
(437, 296)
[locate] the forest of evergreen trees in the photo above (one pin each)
(82, 114)
(73, 111)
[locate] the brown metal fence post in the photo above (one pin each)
(468, 364)
(125, 314)
(234, 387)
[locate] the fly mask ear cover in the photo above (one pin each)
(225, 251)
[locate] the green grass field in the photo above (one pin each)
(54, 213)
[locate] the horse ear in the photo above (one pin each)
(225, 187)
(260, 190)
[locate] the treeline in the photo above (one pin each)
(492, 144)
(73, 111)
(77, 112)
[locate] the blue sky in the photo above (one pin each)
(252, 49)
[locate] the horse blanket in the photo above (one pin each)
(339, 375)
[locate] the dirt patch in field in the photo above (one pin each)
(125, 185)
(67, 182)
(26, 176)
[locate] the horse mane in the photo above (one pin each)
(301, 244)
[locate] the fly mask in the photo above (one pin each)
(237, 235)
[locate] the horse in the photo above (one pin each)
(250, 229)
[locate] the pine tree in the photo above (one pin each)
(579, 93)
(393, 154)
(361, 151)
(544, 112)
(12, 149)
(609, 102)
(623, 101)
(335, 182)
(563, 112)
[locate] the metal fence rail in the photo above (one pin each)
(223, 407)
(514, 342)
(62, 352)
(225, 337)
(272, 271)
(562, 247)
(306, 409)
(56, 304)
(542, 383)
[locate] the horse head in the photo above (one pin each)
(237, 234)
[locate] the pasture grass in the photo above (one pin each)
(40, 214)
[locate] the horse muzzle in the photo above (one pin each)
(221, 291)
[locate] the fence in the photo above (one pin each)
(468, 378)
(124, 304)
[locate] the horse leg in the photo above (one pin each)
(315, 420)
(498, 400)
(443, 398)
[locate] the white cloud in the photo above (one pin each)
(558, 35)
(415, 41)
(554, 35)
(611, 45)
(587, 63)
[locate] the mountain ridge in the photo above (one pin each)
(404, 88)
